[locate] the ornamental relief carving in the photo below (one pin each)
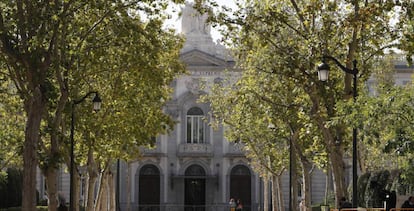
(194, 85)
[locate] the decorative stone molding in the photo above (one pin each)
(218, 81)
(235, 150)
(151, 151)
(195, 150)
(194, 85)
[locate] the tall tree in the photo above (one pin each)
(292, 36)
(388, 133)
(133, 81)
(41, 43)
(256, 99)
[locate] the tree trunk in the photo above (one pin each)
(103, 194)
(306, 198)
(93, 176)
(53, 155)
(277, 199)
(338, 166)
(76, 190)
(99, 196)
(328, 187)
(86, 191)
(336, 161)
(51, 173)
(305, 202)
(90, 205)
(34, 107)
(52, 192)
(294, 197)
(53, 165)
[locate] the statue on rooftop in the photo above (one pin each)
(193, 22)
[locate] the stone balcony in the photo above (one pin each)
(153, 151)
(235, 150)
(195, 150)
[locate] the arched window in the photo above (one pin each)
(195, 170)
(195, 125)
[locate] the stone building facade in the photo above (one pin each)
(194, 167)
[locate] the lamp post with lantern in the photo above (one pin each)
(96, 107)
(323, 75)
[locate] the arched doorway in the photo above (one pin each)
(149, 182)
(195, 188)
(240, 185)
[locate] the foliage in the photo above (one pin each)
(277, 45)
(53, 52)
(132, 73)
(377, 187)
(387, 119)
(407, 40)
(329, 200)
(363, 183)
(11, 125)
(250, 108)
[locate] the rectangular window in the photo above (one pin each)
(195, 129)
(201, 131)
(189, 124)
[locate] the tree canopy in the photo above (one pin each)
(53, 52)
(285, 41)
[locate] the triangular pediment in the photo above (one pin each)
(200, 58)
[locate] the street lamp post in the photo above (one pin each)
(323, 73)
(290, 174)
(96, 107)
(118, 183)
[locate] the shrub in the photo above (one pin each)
(14, 187)
(11, 188)
(3, 189)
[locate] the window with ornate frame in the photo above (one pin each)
(195, 126)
